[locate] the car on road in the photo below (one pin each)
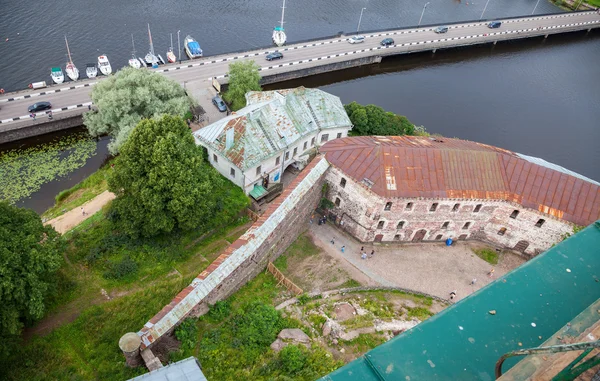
(39, 106)
(356, 39)
(387, 42)
(274, 56)
(494, 24)
(218, 102)
(441, 29)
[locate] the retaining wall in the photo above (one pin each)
(10, 133)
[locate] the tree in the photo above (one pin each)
(130, 96)
(374, 120)
(161, 180)
(243, 77)
(29, 254)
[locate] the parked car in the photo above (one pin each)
(441, 29)
(356, 39)
(218, 102)
(274, 56)
(494, 24)
(387, 42)
(40, 106)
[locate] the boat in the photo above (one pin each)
(151, 58)
(144, 63)
(104, 65)
(162, 60)
(192, 47)
(279, 36)
(57, 75)
(71, 69)
(134, 62)
(91, 71)
(170, 55)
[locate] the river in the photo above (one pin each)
(537, 97)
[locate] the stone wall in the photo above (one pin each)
(366, 216)
(18, 131)
(267, 238)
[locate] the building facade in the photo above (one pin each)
(254, 146)
(390, 189)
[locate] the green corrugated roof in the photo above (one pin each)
(257, 192)
(464, 341)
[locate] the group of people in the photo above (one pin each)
(33, 115)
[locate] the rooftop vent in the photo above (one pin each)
(367, 182)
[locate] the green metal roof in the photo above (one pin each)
(258, 191)
(464, 341)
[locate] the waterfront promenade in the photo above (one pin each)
(303, 59)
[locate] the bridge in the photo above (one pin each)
(300, 59)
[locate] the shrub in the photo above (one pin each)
(257, 325)
(121, 269)
(303, 299)
(420, 313)
(187, 333)
(220, 310)
(292, 359)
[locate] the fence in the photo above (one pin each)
(283, 280)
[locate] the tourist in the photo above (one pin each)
(362, 248)
(372, 254)
(453, 295)
(363, 256)
(491, 273)
(50, 114)
(312, 218)
(473, 281)
(82, 211)
(333, 241)
(343, 249)
(33, 115)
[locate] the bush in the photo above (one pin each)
(420, 313)
(187, 333)
(292, 359)
(303, 299)
(220, 310)
(257, 325)
(121, 269)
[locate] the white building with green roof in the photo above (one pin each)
(254, 146)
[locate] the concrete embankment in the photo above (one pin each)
(11, 133)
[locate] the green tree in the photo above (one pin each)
(374, 120)
(129, 96)
(243, 77)
(30, 253)
(292, 358)
(161, 180)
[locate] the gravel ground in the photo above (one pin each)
(426, 267)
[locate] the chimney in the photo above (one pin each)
(229, 138)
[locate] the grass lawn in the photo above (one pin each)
(488, 255)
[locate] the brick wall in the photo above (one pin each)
(266, 239)
(365, 215)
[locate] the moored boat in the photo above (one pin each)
(151, 58)
(170, 55)
(192, 47)
(91, 71)
(279, 36)
(71, 69)
(104, 65)
(133, 61)
(57, 75)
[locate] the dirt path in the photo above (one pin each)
(74, 217)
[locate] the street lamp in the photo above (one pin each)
(179, 46)
(484, 8)
(422, 13)
(536, 4)
(360, 19)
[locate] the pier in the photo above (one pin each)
(300, 60)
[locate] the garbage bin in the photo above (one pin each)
(449, 242)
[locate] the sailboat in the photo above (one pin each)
(170, 55)
(104, 65)
(279, 36)
(57, 75)
(133, 62)
(151, 58)
(71, 69)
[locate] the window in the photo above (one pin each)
(339, 135)
(445, 225)
(215, 158)
(324, 138)
(400, 225)
(287, 155)
(312, 142)
(295, 152)
(514, 214)
(502, 231)
(277, 160)
(305, 146)
(388, 206)
(477, 208)
(397, 237)
(433, 207)
(438, 237)
(343, 182)
(455, 207)
(380, 224)
(232, 172)
(337, 201)
(409, 206)
(540, 223)
(258, 170)
(466, 225)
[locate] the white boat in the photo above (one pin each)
(104, 65)
(151, 58)
(134, 62)
(71, 69)
(144, 63)
(91, 71)
(57, 75)
(192, 47)
(170, 55)
(162, 60)
(279, 36)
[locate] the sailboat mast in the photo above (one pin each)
(68, 51)
(171, 41)
(150, 37)
(133, 44)
(282, 13)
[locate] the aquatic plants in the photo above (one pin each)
(24, 171)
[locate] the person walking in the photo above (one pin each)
(33, 116)
(372, 254)
(363, 256)
(333, 241)
(362, 248)
(50, 114)
(491, 273)
(343, 249)
(473, 281)
(453, 295)
(82, 211)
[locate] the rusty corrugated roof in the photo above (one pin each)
(415, 166)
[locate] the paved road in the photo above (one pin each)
(199, 73)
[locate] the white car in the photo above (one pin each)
(356, 39)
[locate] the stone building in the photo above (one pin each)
(428, 189)
(254, 146)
